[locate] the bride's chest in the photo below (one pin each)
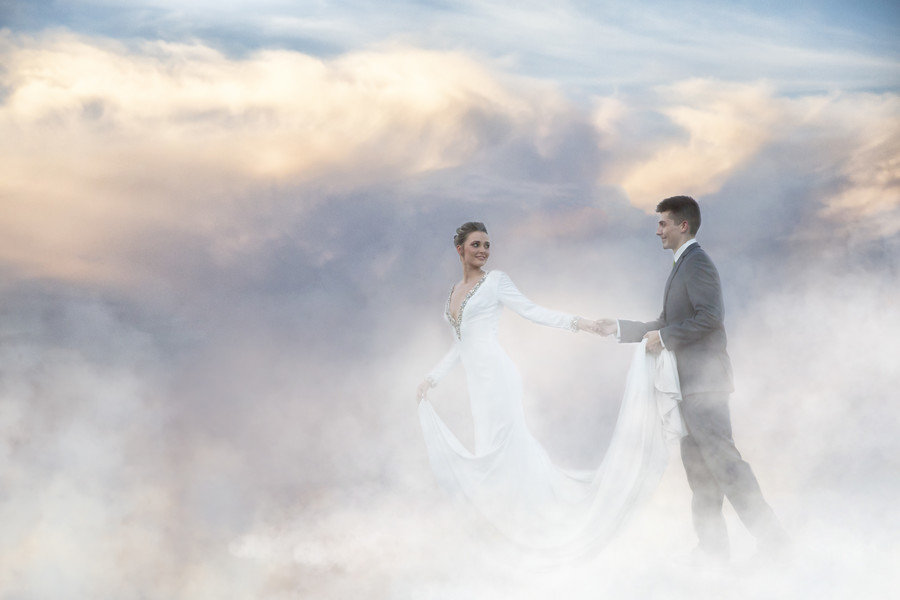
(483, 298)
(483, 303)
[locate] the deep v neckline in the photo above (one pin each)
(456, 321)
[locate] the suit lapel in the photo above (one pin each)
(675, 268)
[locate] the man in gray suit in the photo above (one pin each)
(692, 327)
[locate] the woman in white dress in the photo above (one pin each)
(509, 478)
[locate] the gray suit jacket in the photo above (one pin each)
(692, 324)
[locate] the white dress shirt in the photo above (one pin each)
(684, 247)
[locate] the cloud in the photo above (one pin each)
(866, 201)
(725, 124)
(843, 146)
(115, 155)
(591, 49)
(277, 114)
(102, 140)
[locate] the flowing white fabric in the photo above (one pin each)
(509, 478)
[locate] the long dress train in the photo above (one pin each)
(509, 479)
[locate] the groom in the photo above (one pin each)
(692, 327)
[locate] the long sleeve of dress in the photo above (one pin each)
(512, 298)
(445, 364)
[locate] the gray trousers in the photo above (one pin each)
(715, 470)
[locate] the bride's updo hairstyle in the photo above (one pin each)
(463, 231)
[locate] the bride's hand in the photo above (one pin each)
(422, 390)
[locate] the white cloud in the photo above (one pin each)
(274, 114)
(100, 141)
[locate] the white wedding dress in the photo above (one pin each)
(509, 478)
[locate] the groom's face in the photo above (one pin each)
(671, 234)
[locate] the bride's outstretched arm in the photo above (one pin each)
(511, 297)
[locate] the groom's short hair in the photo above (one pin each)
(683, 208)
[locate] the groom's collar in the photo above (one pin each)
(680, 252)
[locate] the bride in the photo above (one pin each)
(509, 479)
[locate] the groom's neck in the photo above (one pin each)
(678, 247)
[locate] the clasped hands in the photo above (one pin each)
(602, 327)
(607, 327)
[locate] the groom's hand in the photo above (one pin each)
(654, 342)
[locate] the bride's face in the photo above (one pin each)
(475, 251)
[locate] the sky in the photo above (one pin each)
(225, 246)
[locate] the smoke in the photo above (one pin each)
(85, 463)
(813, 414)
(263, 443)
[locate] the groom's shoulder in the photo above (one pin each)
(695, 252)
(697, 257)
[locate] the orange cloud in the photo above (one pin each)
(725, 125)
(867, 204)
(847, 146)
